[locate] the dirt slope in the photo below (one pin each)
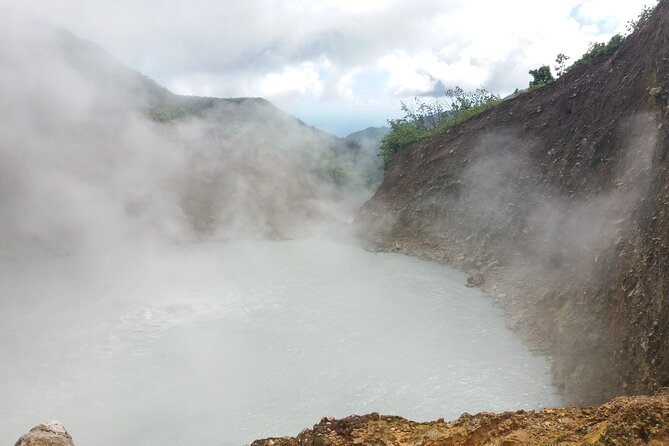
(557, 202)
(624, 421)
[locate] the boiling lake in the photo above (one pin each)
(224, 343)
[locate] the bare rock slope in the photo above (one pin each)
(557, 203)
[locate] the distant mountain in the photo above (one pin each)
(368, 142)
(371, 136)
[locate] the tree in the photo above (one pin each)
(542, 76)
(561, 64)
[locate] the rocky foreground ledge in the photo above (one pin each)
(629, 421)
(623, 421)
(46, 434)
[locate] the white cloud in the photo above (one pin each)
(345, 84)
(304, 78)
(614, 13)
(357, 6)
(416, 74)
(264, 47)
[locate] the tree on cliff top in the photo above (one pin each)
(541, 76)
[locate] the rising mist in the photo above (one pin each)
(93, 154)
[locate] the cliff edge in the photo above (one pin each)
(557, 203)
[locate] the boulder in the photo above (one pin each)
(46, 434)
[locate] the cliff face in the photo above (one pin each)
(557, 202)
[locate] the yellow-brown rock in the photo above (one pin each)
(629, 421)
(46, 434)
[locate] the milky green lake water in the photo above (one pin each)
(223, 343)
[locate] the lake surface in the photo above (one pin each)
(224, 343)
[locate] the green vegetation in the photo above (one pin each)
(337, 174)
(466, 104)
(432, 118)
(166, 115)
(403, 131)
(598, 49)
(337, 167)
(541, 76)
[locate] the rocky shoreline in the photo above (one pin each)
(630, 421)
(627, 421)
(46, 434)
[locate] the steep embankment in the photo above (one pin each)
(557, 202)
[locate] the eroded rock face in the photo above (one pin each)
(46, 434)
(626, 420)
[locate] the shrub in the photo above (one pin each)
(596, 50)
(402, 133)
(431, 118)
(462, 101)
(541, 76)
(466, 105)
(645, 14)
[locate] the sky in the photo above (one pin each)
(339, 65)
